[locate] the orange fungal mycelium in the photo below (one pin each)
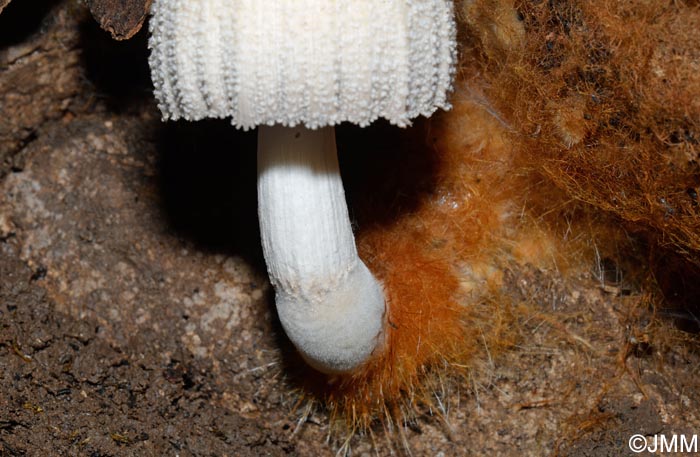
(606, 93)
(573, 136)
(455, 222)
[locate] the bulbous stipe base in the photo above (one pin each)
(337, 332)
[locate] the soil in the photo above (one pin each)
(136, 317)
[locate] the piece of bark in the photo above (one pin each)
(121, 18)
(3, 4)
(41, 76)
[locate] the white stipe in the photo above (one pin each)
(328, 302)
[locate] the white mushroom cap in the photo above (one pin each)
(312, 62)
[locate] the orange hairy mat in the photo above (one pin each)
(574, 132)
(438, 229)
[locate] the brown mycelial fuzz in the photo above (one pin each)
(561, 110)
(605, 94)
(440, 252)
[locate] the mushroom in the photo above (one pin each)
(295, 69)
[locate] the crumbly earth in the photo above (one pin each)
(136, 317)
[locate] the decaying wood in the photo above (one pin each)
(40, 77)
(121, 18)
(3, 4)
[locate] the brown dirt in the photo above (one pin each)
(136, 317)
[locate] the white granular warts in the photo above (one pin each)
(312, 62)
